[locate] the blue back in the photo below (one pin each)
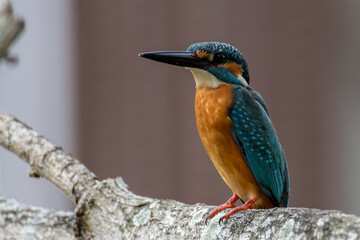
(254, 133)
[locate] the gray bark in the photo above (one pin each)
(18, 221)
(109, 210)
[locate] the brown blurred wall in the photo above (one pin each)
(137, 117)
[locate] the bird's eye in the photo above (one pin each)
(219, 58)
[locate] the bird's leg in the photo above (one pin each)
(247, 205)
(229, 204)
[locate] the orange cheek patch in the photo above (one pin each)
(234, 68)
(202, 54)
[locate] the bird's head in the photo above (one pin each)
(211, 63)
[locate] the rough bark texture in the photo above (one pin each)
(18, 221)
(108, 210)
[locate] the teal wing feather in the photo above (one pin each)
(256, 137)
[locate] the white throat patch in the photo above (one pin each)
(205, 79)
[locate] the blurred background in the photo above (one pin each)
(81, 84)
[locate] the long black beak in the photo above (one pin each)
(180, 58)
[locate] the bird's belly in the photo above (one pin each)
(214, 126)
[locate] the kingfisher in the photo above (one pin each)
(234, 126)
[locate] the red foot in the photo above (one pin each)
(246, 205)
(229, 204)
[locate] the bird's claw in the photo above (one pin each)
(222, 219)
(206, 220)
(211, 215)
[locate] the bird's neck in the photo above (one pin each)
(208, 80)
(205, 79)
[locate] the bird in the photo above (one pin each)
(234, 126)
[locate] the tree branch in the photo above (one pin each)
(18, 221)
(108, 210)
(45, 158)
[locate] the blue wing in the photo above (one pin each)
(255, 135)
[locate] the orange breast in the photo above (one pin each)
(214, 126)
